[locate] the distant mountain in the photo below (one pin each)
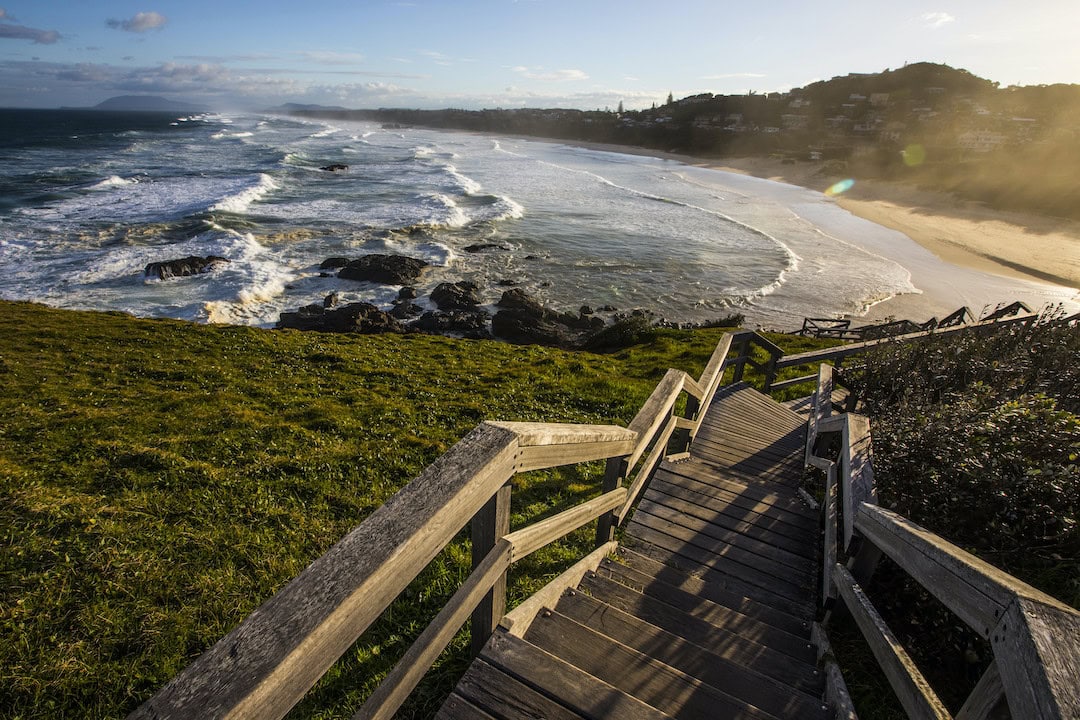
(148, 103)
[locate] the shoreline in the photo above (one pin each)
(959, 232)
(1040, 255)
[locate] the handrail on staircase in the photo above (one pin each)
(1035, 638)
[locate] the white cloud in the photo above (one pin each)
(19, 32)
(326, 57)
(935, 20)
(550, 76)
(142, 22)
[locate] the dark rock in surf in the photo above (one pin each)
(526, 328)
(456, 296)
(406, 310)
(352, 318)
(191, 265)
(472, 324)
(518, 299)
(335, 167)
(407, 293)
(483, 247)
(333, 263)
(385, 269)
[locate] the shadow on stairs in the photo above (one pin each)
(705, 609)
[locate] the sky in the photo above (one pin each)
(587, 54)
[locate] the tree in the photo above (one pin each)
(670, 99)
(620, 110)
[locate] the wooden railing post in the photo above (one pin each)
(741, 359)
(770, 372)
(613, 476)
(488, 525)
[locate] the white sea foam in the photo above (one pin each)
(466, 184)
(438, 209)
(224, 134)
(241, 201)
(114, 181)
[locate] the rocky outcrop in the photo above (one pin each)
(520, 319)
(524, 320)
(192, 265)
(352, 318)
(456, 296)
(384, 269)
(465, 323)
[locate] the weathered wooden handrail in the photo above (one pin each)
(842, 351)
(266, 664)
(1035, 638)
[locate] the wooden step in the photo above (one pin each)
(802, 607)
(797, 548)
(574, 689)
(754, 635)
(761, 557)
(725, 496)
(490, 690)
(707, 553)
(651, 681)
(670, 586)
(728, 675)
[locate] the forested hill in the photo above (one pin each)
(944, 128)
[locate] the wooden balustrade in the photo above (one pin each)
(1035, 638)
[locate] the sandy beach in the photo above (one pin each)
(1030, 257)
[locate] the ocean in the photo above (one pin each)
(88, 199)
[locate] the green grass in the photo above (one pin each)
(159, 480)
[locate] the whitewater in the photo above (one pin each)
(89, 199)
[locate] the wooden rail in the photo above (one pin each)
(1035, 638)
(264, 666)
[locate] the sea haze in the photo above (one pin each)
(88, 199)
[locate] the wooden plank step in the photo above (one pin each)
(761, 499)
(769, 522)
(667, 584)
(736, 409)
(753, 467)
(801, 607)
(754, 424)
(794, 672)
(458, 708)
(712, 474)
(751, 423)
(757, 551)
(743, 396)
(764, 457)
(728, 675)
(579, 691)
(682, 607)
(730, 453)
(491, 690)
(773, 449)
(702, 462)
(700, 553)
(633, 672)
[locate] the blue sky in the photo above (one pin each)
(505, 53)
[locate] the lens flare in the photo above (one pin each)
(914, 155)
(841, 187)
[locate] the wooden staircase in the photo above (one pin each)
(704, 611)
